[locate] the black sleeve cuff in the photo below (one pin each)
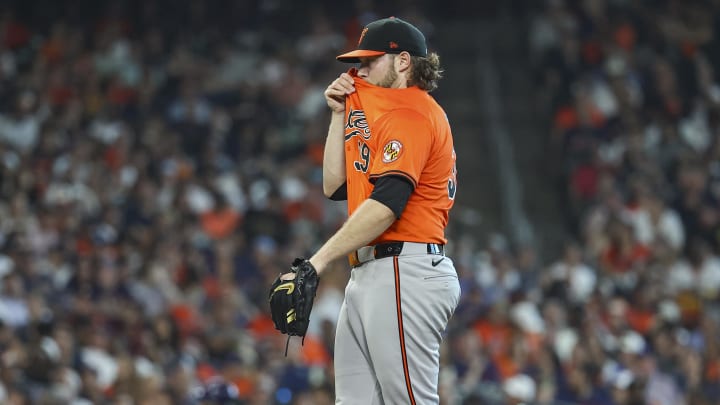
(393, 191)
(340, 194)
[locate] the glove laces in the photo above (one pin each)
(287, 343)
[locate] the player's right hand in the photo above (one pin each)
(337, 91)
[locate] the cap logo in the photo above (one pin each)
(393, 45)
(362, 35)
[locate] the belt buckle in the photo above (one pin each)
(434, 249)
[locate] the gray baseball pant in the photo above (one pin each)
(387, 343)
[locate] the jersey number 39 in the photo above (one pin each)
(362, 164)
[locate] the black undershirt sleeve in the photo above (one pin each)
(340, 194)
(392, 191)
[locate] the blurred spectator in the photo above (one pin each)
(160, 165)
(630, 87)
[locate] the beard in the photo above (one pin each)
(389, 78)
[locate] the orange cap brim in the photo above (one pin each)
(353, 56)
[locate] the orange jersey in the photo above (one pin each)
(401, 132)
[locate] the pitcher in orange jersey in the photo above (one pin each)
(389, 152)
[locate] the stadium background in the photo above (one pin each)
(160, 165)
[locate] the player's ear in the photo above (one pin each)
(402, 62)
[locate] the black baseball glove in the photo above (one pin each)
(291, 300)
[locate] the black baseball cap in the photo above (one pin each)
(389, 35)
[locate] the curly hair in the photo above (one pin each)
(426, 72)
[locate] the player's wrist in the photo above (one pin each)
(318, 264)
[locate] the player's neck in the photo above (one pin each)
(400, 83)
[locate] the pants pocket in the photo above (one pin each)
(440, 277)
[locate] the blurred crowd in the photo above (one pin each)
(632, 309)
(160, 165)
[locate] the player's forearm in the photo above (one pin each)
(334, 156)
(370, 220)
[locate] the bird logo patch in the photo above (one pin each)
(391, 151)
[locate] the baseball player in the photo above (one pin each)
(389, 152)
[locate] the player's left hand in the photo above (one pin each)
(291, 298)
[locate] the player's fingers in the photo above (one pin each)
(338, 90)
(346, 77)
(346, 82)
(336, 103)
(343, 84)
(335, 94)
(341, 88)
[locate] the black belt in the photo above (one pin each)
(388, 249)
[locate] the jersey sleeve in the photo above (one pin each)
(404, 140)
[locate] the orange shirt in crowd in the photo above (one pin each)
(617, 261)
(221, 223)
